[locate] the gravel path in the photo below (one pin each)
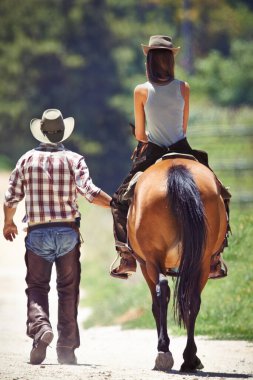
(105, 353)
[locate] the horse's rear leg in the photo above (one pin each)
(191, 361)
(160, 292)
(164, 360)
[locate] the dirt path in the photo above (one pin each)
(105, 353)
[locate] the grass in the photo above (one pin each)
(226, 310)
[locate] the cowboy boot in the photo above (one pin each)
(66, 355)
(218, 267)
(38, 324)
(127, 264)
(68, 270)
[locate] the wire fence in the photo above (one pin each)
(231, 153)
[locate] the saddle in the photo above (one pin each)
(128, 194)
(177, 155)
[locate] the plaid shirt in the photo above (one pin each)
(49, 177)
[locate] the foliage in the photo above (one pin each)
(84, 57)
(227, 81)
(53, 55)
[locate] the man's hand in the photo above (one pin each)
(10, 231)
(102, 199)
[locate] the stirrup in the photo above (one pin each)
(113, 273)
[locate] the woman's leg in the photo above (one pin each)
(147, 157)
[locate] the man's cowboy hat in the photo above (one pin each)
(52, 128)
(160, 42)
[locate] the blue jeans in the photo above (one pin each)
(52, 243)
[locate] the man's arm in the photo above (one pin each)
(102, 199)
(86, 187)
(10, 229)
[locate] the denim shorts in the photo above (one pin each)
(51, 243)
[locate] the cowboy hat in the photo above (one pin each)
(52, 128)
(160, 42)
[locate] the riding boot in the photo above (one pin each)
(38, 324)
(218, 267)
(126, 266)
(127, 262)
(68, 270)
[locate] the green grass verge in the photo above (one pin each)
(226, 310)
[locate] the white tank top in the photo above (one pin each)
(164, 110)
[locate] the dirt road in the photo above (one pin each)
(105, 353)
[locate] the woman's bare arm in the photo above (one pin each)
(140, 98)
(185, 91)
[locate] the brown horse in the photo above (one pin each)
(177, 220)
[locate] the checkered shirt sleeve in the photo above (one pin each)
(83, 181)
(15, 192)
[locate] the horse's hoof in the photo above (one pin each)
(164, 361)
(197, 365)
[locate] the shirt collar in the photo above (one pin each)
(45, 147)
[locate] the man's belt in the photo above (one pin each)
(52, 225)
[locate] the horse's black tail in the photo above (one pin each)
(187, 207)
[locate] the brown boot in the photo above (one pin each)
(38, 353)
(126, 266)
(66, 355)
(218, 268)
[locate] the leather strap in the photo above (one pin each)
(52, 225)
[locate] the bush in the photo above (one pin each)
(227, 81)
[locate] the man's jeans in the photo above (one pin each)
(52, 243)
(44, 246)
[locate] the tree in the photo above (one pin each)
(56, 55)
(228, 82)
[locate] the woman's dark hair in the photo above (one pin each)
(160, 65)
